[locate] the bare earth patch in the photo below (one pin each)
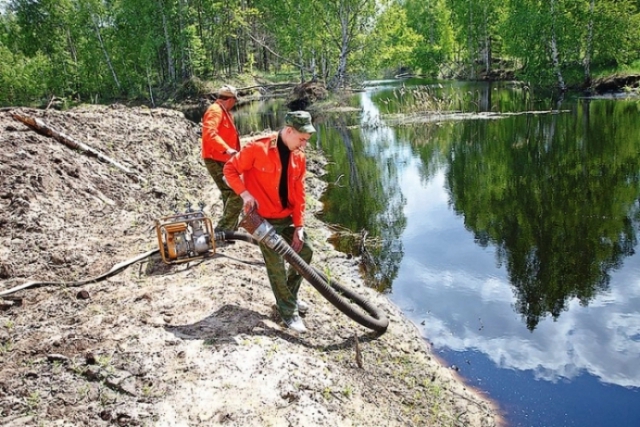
(193, 344)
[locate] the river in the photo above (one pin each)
(510, 239)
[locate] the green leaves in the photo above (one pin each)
(21, 78)
(123, 47)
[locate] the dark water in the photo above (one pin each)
(510, 242)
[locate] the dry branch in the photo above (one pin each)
(299, 66)
(42, 128)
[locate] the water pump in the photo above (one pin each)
(185, 236)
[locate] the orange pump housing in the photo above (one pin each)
(185, 237)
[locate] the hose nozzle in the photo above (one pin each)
(261, 230)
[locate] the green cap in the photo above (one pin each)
(300, 121)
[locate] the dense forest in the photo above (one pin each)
(97, 50)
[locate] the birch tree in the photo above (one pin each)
(431, 19)
(589, 43)
(96, 26)
(475, 23)
(554, 48)
(344, 21)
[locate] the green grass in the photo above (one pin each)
(633, 68)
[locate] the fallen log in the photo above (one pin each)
(442, 116)
(42, 128)
(269, 86)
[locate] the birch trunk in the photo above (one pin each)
(153, 102)
(314, 71)
(182, 46)
(167, 42)
(589, 46)
(487, 43)
(300, 52)
(301, 60)
(472, 52)
(104, 50)
(340, 76)
(555, 56)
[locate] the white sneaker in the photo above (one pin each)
(303, 307)
(296, 324)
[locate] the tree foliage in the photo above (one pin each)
(394, 41)
(106, 49)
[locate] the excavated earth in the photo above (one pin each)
(189, 344)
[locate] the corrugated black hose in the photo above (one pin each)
(345, 300)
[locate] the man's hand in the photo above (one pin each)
(249, 203)
(231, 152)
(298, 239)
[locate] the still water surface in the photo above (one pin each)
(510, 242)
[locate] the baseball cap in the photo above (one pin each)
(228, 91)
(300, 121)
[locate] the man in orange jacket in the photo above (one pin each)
(220, 141)
(268, 174)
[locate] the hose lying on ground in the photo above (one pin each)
(121, 266)
(342, 298)
(114, 270)
(338, 295)
(378, 322)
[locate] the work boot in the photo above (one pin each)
(303, 307)
(296, 324)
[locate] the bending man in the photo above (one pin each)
(268, 174)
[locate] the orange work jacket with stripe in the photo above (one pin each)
(219, 133)
(257, 169)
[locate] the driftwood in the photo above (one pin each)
(410, 75)
(442, 116)
(42, 128)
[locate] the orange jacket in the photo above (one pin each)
(219, 133)
(257, 169)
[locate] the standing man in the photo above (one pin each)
(268, 174)
(220, 141)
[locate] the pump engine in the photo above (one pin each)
(185, 236)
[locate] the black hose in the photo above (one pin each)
(121, 266)
(345, 300)
(338, 295)
(114, 270)
(234, 235)
(381, 322)
(341, 297)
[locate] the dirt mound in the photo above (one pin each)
(196, 343)
(70, 215)
(305, 94)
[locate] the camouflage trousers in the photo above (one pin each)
(285, 283)
(231, 202)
